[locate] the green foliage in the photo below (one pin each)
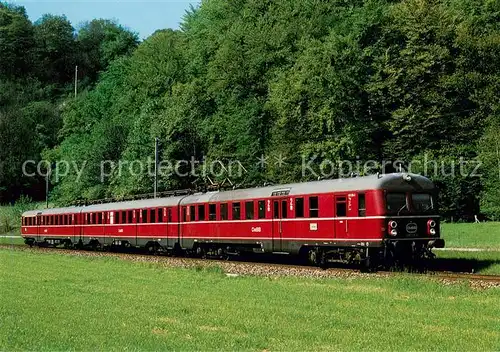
(37, 65)
(16, 40)
(10, 216)
(99, 43)
(297, 80)
(364, 80)
(55, 49)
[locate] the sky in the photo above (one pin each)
(143, 17)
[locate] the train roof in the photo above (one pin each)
(134, 204)
(396, 182)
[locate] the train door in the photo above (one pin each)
(73, 222)
(183, 215)
(341, 220)
(38, 224)
(279, 213)
(167, 219)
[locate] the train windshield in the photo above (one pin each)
(422, 202)
(396, 203)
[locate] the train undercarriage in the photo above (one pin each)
(390, 255)
(411, 255)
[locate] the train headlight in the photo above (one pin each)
(393, 232)
(393, 224)
(431, 227)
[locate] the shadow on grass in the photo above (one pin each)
(468, 265)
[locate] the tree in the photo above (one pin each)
(100, 42)
(55, 49)
(16, 41)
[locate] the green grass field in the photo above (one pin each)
(59, 302)
(469, 235)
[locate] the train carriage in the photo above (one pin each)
(389, 217)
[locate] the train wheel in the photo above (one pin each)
(368, 265)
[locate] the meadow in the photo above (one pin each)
(60, 302)
(485, 235)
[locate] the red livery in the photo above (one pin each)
(387, 217)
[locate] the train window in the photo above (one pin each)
(56, 222)
(94, 219)
(361, 205)
(169, 213)
(313, 207)
(160, 215)
(144, 216)
(249, 210)
(396, 202)
(284, 208)
(201, 212)
(212, 212)
(192, 214)
(299, 207)
(422, 202)
(340, 206)
(184, 217)
(223, 211)
(99, 218)
(262, 209)
(237, 211)
(152, 216)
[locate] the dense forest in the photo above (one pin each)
(416, 81)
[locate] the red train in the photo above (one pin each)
(389, 217)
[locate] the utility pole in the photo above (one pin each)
(156, 167)
(76, 81)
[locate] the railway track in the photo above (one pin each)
(258, 267)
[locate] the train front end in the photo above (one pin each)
(411, 219)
